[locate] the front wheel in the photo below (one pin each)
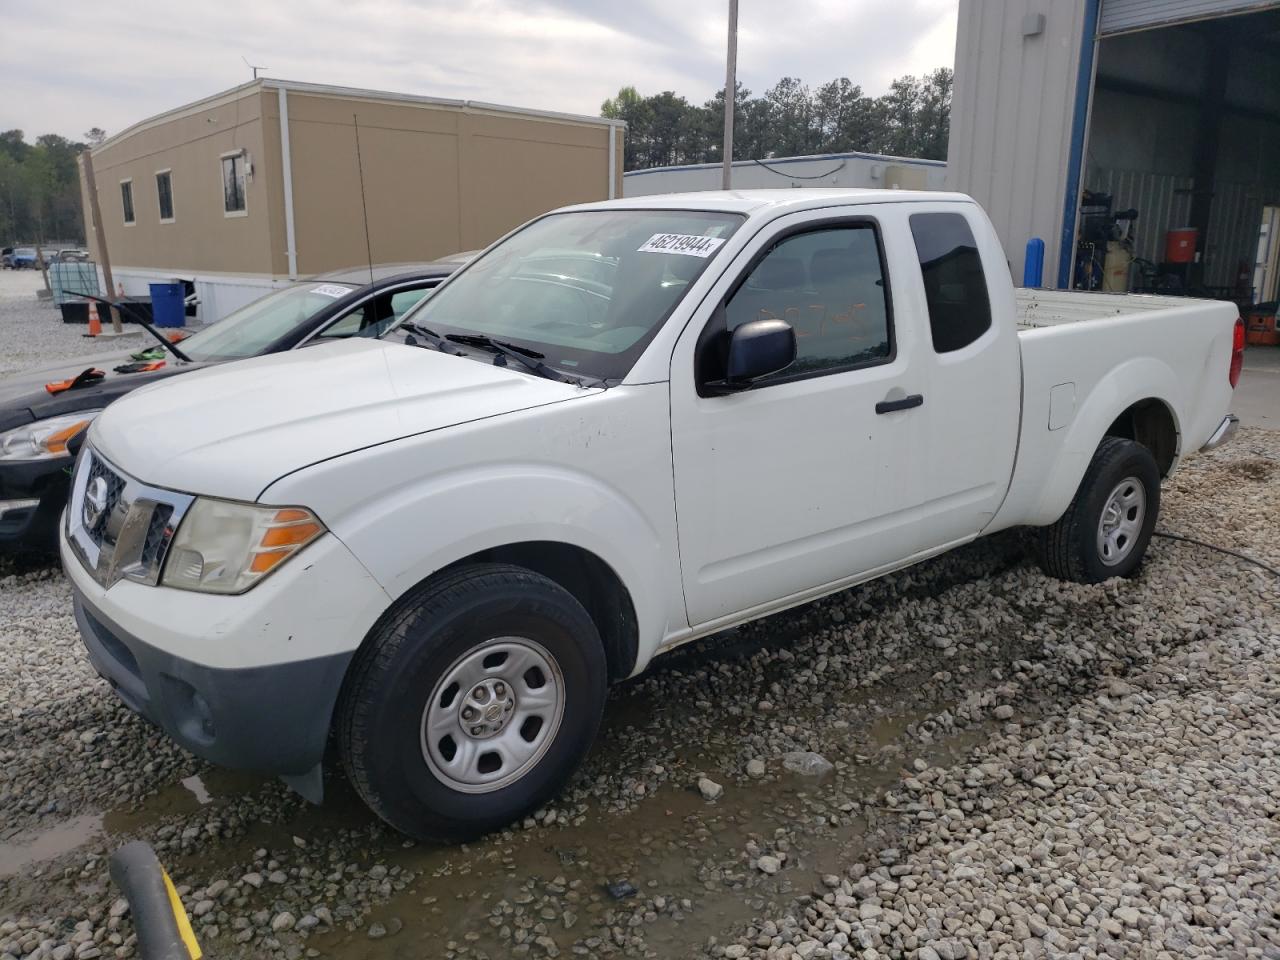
(1106, 529)
(473, 703)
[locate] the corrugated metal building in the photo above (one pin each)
(1169, 107)
(821, 170)
(261, 184)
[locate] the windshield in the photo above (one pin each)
(587, 289)
(251, 329)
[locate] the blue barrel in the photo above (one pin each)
(167, 306)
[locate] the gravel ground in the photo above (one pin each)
(32, 334)
(966, 759)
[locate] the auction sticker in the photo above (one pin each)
(331, 290)
(682, 243)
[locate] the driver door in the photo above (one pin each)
(804, 479)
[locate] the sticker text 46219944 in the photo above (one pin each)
(681, 243)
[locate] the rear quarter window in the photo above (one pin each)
(955, 285)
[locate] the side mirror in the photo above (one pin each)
(757, 349)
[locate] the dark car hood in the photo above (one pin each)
(23, 397)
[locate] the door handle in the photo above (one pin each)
(906, 403)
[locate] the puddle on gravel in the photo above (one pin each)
(30, 848)
(672, 845)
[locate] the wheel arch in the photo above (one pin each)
(584, 575)
(589, 579)
(1134, 401)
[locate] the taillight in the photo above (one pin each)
(1237, 354)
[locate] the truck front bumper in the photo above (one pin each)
(1226, 430)
(268, 705)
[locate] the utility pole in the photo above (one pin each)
(730, 94)
(100, 235)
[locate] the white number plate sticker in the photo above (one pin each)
(331, 290)
(681, 243)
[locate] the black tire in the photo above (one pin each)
(382, 706)
(1069, 549)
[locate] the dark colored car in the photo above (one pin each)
(43, 414)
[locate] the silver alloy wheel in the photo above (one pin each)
(493, 714)
(1120, 525)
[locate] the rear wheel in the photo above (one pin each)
(1106, 529)
(473, 703)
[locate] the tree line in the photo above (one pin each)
(40, 187)
(791, 119)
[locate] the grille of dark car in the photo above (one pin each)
(115, 487)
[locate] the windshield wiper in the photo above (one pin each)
(141, 321)
(531, 359)
(430, 336)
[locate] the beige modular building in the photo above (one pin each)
(262, 184)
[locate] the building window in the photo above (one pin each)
(126, 199)
(955, 286)
(164, 194)
(233, 183)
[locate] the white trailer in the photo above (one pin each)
(821, 170)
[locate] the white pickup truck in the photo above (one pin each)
(624, 426)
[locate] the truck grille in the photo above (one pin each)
(115, 487)
(119, 527)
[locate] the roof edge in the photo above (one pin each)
(333, 90)
(174, 113)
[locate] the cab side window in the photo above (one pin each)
(829, 285)
(374, 317)
(955, 285)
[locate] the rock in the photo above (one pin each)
(769, 864)
(755, 768)
(1129, 916)
(1043, 782)
(709, 789)
(1004, 712)
(282, 921)
(807, 763)
(376, 931)
(621, 889)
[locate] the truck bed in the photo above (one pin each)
(1076, 375)
(1047, 308)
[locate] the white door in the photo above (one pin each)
(969, 436)
(799, 481)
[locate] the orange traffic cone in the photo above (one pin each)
(95, 325)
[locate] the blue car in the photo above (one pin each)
(22, 258)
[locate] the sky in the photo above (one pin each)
(83, 63)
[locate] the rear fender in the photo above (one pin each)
(1142, 378)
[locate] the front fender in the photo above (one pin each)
(405, 535)
(1127, 383)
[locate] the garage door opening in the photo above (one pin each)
(1181, 164)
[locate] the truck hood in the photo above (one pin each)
(231, 431)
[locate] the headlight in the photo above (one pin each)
(44, 439)
(226, 547)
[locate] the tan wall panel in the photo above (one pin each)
(410, 187)
(513, 180)
(308, 108)
(277, 235)
(201, 237)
